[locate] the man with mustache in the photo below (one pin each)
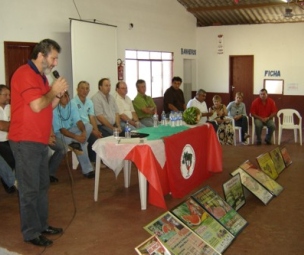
(32, 103)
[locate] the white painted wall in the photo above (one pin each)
(162, 25)
(275, 47)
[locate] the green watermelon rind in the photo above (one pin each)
(191, 115)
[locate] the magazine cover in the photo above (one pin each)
(286, 157)
(253, 186)
(152, 246)
(234, 192)
(178, 238)
(267, 166)
(277, 159)
(220, 210)
(203, 224)
(262, 178)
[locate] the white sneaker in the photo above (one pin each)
(245, 143)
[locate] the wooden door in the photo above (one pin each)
(15, 55)
(241, 78)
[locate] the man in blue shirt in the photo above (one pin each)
(86, 111)
(69, 127)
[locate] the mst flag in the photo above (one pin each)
(191, 156)
(151, 169)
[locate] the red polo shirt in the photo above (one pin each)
(26, 125)
(263, 110)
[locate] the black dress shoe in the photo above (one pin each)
(8, 189)
(52, 231)
(41, 241)
(267, 142)
(76, 147)
(90, 175)
(53, 179)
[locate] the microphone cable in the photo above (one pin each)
(68, 168)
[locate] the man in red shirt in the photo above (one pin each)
(263, 109)
(32, 103)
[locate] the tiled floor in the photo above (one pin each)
(114, 224)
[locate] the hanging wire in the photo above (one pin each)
(77, 9)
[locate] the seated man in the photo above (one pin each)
(263, 109)
(144, 105)
(68, 126)
(237, 110)
(58, 146)
(5, 116)
(106, 109)
(174, 97)
(86, 111)
(199, 102)
(7, 177)
(125, 107)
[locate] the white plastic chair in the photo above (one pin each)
(264, 127)
(74, 158)
(286, 121)
(236, 128)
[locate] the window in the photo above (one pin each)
(154, 67)
(274, 86)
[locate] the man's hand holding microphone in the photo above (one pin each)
(60, 85)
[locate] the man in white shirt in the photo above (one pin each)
(199, 102)
(5, 116)
(106, 110)
(7, 158)
(125, 107)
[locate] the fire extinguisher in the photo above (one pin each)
(120, 69)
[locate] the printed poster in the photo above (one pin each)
(203, 224)
(286, 157)
(234, 192)
(220, 210)
(262, 178)
(277, 159)
(152, 246)
(177, 237)
(253, 186)
(267, 166)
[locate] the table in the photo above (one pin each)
(150, 160)
(118, 156)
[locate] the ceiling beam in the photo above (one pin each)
(232, 7)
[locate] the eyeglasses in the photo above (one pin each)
(5, 95)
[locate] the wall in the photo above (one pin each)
(274, 46)
(158, 25)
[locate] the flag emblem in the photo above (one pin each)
(187, 161)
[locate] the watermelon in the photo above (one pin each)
(192, 115)
(192, 219)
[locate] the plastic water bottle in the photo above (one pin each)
(180, 118)
(163, 118)
(171, 119)
(155, 119)
(127, 130)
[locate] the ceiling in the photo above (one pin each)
(239, 12)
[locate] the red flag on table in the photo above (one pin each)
(148, 165)
(191, 156)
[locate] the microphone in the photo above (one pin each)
(56, 74)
